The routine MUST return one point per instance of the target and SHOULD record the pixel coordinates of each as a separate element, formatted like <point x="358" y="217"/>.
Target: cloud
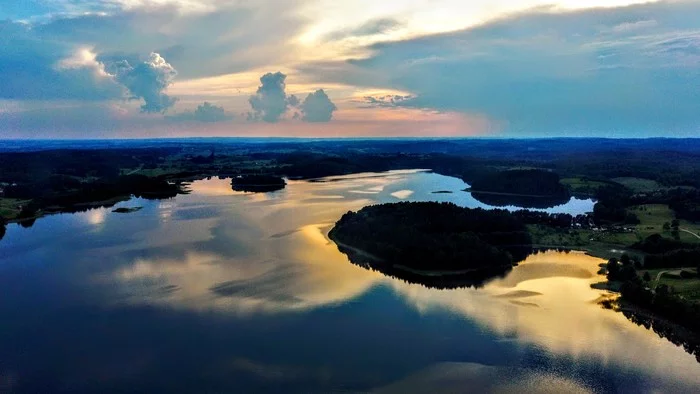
<point x="588" y="72"/>
<point x="147" y="80"/>
<point x="386" y="101"/>
<point x="270" y="102"/>
<point x="33" y="67"/>
<point x="207" y="112"/>
<point x="369" y="28"/>
<point x="317" y="107"/>
<point x="626" y="27"/>
<point x="197" y="41"/>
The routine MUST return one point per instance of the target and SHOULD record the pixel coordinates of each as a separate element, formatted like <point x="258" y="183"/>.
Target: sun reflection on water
<point x="269" y="253"/>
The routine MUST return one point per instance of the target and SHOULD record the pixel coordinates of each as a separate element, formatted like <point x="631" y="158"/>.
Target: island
<point x="434" y="244"/>
<point x="258" y="183"/>
<point x="127" y="209"/>
<point x="527" y="188"/>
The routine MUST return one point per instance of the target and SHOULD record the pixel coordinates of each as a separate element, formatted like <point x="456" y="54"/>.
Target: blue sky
<point x="500" y="68"/>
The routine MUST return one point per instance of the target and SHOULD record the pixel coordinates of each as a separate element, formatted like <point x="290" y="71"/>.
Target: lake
<point x="224" y="291"/>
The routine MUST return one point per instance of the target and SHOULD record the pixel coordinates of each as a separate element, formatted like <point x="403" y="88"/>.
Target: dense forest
<point x="663" y="303"/>
<point x="51" y="174"/>
<point x="66" y="193"/>
<point x="525" y="188"/>
<point x="431" y="237"/>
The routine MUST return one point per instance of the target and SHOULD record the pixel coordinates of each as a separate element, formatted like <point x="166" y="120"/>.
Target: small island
<point x="524" y="188"/>
<point x="258" y="183"/>
<point x="127" y="209"/>
<point x="435" y="244"/>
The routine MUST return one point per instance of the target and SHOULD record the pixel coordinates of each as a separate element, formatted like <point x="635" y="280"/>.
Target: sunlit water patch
<point x="225" y="291"/>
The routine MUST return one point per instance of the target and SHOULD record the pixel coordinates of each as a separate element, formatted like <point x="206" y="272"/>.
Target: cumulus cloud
<point x="36" y="67"/>
<point x="293" y="101"/>
<point x="33" y="67"/>
<point x="198" y="44"/>
<point x="206" y="112"/>
<point x="270" y="101"/>
<point x="317" y="107"/>
<point x="147" y="80"/>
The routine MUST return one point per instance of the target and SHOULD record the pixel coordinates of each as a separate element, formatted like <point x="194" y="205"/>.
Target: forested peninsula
<point x="436" y="244"/>
<point x="525" y="188"/>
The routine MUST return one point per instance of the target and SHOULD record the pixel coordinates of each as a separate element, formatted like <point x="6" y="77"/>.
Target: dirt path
<point x="690" y="232"/>
<point x="658" y="276"/>
<point x="135" y="171"/>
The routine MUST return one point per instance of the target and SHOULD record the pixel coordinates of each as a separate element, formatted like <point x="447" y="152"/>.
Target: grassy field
<point x="604" y="245"/>
<point x="686" y="288"/>
<point x="653" y="217"/>
<point x="608" y="243"/>
<point x="9" y="207"/>
<point x="582" y="185"/>
<point x="638" y="185"/>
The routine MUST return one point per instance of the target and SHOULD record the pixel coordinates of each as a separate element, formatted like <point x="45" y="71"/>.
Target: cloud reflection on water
<point x="268" y="253"/>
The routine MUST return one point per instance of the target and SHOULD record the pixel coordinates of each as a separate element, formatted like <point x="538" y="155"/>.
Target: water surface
<point x="222" y="291"/>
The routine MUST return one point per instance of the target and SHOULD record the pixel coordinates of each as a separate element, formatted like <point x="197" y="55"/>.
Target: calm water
<point x="219" y="291"/>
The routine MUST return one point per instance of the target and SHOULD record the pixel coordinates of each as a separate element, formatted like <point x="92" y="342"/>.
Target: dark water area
<point x="225" y="291"/>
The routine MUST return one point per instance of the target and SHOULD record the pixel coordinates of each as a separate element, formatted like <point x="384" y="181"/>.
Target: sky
<point x="366" y="68"/>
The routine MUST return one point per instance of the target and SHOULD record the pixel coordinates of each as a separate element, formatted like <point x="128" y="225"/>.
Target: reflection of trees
<point x="258" y="183"/>
<point x="505" y="200"/>
<point x="667" y="330"/>
<point x="27" y="223"/>
<point x="523" y="188"/>
<point x="476" y="279"/>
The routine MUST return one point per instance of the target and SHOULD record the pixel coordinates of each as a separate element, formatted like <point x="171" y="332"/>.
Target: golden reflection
<point x="269" y="253"/>
<point x="213" y="187"/>
<point x="96" y="216"/>
<point x="554" y="311"/>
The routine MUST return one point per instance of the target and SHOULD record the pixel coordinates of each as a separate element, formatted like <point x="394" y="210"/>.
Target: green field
<point x="609" y="243"/>
<point x="9" y="207"/>
<point x="638" y="185"/>
<point x="653" y="217"/>
<point x="582" y="185"/>
<point x="604" y="245"/>
<point x="686" y="288"/>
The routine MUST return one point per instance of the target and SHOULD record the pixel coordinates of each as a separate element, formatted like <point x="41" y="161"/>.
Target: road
<point x="135" y="171"/>
<point x="658" y="276"/>
<point x="690" y="232"/>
